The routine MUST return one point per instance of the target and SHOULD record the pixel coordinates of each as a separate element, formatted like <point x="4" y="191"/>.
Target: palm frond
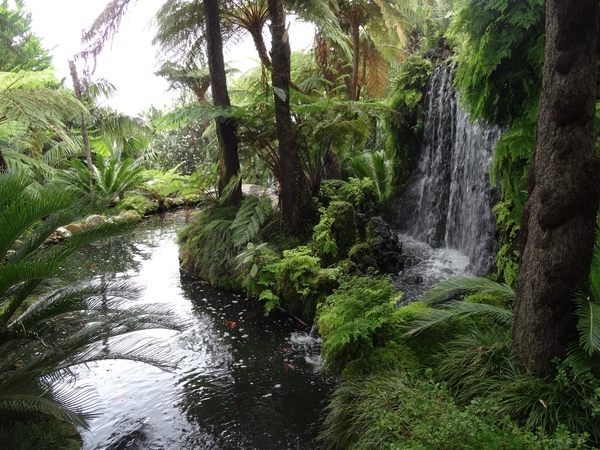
<point x="447" y="289"/>
<point x="458" y="310"/>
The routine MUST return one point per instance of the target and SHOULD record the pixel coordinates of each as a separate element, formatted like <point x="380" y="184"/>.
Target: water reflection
<point x="244" y="381"/>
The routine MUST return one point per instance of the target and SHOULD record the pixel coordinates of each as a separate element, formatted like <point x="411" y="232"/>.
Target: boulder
<point x="94" y="220"/>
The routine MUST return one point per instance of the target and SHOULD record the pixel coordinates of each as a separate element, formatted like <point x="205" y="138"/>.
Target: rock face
<point x="382" y="249"/>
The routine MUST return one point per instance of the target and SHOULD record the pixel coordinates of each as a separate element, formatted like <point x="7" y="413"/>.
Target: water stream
<point x="243" y="382"/>
<point x="448" y="200"/>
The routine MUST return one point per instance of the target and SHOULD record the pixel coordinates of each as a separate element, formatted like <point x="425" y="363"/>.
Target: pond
<point x="244" y="381"/>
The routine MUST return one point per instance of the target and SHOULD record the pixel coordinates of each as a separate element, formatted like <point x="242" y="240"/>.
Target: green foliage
<point x="509" y="167"/>
<point x="335" y="233"/>
<point x="405" y="123"/>
<point x="138" y="204"/>
<point x="360" y="192"/>
<point x="293" y="279"/>
<point x="500" y="53"/>
<point x="162" y="184"/>
<point x="351" y="319"/>
<point x="36" y="431"/>
<point x="376" y="167"/>
<point x="251" y="263"/>
<point x="208" y="249"/>
<point x="251" y="216"/>
<point x="43" y="334"/>
<point x="20" y="48"/>
<point x="108" y="180"/>
<point x="395" y="411"/>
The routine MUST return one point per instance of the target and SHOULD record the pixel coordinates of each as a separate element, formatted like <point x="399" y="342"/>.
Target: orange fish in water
<point x="230" y="323"/>
<point x="94" y="266"/>
<point x="288" y="367"/>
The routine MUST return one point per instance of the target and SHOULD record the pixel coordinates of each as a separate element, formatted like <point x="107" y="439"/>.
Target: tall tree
<point x="229" y="163"/>
<point x="297" y="207"/>
<point x="559" y="222"/>
<point x="20" y="48"/>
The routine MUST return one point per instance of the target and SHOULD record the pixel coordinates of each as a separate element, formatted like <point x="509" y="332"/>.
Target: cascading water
<point x="448" y="201"/>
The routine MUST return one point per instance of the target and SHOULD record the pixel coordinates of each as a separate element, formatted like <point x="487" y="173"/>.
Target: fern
<point x="252" y="214"/>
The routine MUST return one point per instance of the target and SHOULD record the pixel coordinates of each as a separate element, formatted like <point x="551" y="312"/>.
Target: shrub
<point x="354" y="320"/>
<point x="393" y="410"/>
<point x="137" y="203"/>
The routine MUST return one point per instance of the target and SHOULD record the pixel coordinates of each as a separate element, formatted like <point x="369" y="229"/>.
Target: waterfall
<point x="448" y="200"/>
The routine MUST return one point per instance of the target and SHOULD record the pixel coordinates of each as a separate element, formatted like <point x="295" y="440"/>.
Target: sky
<point x="130" y="62"/>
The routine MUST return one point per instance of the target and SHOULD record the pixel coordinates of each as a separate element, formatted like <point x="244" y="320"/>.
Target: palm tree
<point x="43" y="335"/>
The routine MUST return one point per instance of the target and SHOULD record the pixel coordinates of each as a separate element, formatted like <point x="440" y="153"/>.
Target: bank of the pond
<point x="243" y="380"/>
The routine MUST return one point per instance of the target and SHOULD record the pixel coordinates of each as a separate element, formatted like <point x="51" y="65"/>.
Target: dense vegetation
<point x="326" y="138"/>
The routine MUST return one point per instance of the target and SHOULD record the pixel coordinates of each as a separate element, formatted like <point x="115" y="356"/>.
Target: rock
<point x="74" y="227"/>
<point x="126" y="216"/>
<point x="386" y="249"/>
<point x="94" y="220"/>
<point x="58" y="235"/>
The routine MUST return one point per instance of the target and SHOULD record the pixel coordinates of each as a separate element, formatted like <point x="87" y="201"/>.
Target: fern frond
<point x="250" y="217"/>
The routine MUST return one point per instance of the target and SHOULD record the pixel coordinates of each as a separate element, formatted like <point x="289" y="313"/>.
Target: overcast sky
<point x="130" y="62"/>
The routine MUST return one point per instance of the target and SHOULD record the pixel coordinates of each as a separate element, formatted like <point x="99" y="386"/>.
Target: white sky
<point x="130" y="62"/>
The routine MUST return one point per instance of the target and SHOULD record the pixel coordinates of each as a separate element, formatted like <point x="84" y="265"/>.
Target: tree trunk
<point x="559" y="221"/>
<point x="229" y="163"/>
<point x="353" y="86"/>
<point x="297" y="207"/>
<point x="3" y="165"/>
<point x="84" y="131"/>
<point x="261" y="48"/>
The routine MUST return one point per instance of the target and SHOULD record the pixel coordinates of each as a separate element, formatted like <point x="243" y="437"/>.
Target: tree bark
<point x="229" y="163"/>
<point x="297" y="207"/>
<point x="559" y="221"/>
<point x="84" y="130"/>
<point x="3" y="165"/>
<point x="352" y="88"/>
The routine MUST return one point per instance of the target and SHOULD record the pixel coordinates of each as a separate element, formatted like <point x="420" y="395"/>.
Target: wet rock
<point x="126" y="216"/>
<point x="382" y="249"/>
<point x="94" y="220"/>
<point x="59" y="235"/>
<point x="74" y="227"/>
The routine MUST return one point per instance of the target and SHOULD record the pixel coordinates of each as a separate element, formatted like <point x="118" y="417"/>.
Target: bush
<point x="137" y="203"/>
<point x="354" y="321"/>
<point x="393" y="410"/>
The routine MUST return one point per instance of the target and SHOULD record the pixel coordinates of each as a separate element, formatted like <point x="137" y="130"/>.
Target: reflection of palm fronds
<point x="43" y="336"/>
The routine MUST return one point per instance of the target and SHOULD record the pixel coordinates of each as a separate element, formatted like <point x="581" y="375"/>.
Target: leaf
<point x="280" y="93"/>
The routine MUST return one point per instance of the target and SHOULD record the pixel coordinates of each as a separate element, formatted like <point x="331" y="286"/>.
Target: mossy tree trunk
<point x="229" y="163"/>
<point x="297" y="207"/>
<point x="559" y="221"/>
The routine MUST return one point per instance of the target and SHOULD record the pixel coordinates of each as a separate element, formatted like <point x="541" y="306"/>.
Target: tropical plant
<point x="107" y="181"/>
<point x="45" y="333"/>
<point x="394" y="410"/>
<point x="29" y="106"/>
<point x="20" y="48"/>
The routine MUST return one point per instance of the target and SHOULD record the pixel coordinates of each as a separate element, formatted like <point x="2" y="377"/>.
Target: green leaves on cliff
<point x="500" y="47"/>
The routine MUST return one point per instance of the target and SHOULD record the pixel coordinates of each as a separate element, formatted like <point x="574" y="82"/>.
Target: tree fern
<point x="252" y="214"/>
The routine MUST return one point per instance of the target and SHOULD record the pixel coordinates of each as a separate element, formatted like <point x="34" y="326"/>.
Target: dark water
<point x="244" y="381"/>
